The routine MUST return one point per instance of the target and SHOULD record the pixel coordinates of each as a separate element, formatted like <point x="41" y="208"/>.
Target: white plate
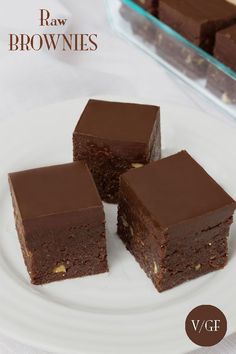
<point x="118" y="312"/>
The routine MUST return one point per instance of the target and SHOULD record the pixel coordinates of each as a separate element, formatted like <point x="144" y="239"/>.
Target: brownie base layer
<point x="75" y="257"/>
<point x="107" y="165"/>
<point x="140" y="26"/>
<point x="181" y="57"/>
<point x="170" y="264"/>
<point x="106" y="168"/>
<point x="62" y="254"/>
<point x="221" y="85"/>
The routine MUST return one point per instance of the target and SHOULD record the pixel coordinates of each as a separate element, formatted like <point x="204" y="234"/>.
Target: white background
<point x="30" y="80"/>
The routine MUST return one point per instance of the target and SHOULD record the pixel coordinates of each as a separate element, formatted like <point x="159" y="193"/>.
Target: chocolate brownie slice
<point x="175" y="219"/>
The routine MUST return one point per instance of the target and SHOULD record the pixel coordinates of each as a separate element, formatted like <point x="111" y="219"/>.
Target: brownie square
<point x="175" y="219"/>
<point x="140" y="25"/>
<point x="221" y="84"/>
<point x="60" y="222"/>
<point x="225" y="47"/>
<point x="198" y="21"/>
<point x="113" y="137"/>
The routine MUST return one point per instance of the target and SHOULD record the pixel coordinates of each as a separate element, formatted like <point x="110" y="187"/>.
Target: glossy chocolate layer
<point x="199" y="20"/>
<point x="54" y="190"/>
<point x="115" y="121"/>
<point x="177" y="189"/>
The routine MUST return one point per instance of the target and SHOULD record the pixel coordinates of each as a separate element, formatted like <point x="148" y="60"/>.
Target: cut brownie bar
<point x="149" y="5"/>
<point x="60" y="222"/>
<point x="175" y="219"/>
<point x="198" y="21"/>
<point x="113" y="137"/>
<point x="225" y="50"/>
<point x="221" y="84"/>
<point x="225" y="47"/>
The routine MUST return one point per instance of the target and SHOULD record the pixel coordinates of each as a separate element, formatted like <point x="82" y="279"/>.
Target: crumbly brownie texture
<point x="179" y="55"/>
<point x="149" y="5"/>
<point x="60" y="222"/>
<point x="175" y="219"/>
<point x="221" y="85"/>
<point x="113" y="137"/>
<point x="140" y="25"/>
<point x="198" y="21"/>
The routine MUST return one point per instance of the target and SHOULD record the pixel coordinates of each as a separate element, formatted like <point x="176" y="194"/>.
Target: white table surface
<point x="31" y="80"/>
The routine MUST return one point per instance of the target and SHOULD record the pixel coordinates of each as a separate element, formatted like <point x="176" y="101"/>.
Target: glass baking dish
<point x="194" y="66"/>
